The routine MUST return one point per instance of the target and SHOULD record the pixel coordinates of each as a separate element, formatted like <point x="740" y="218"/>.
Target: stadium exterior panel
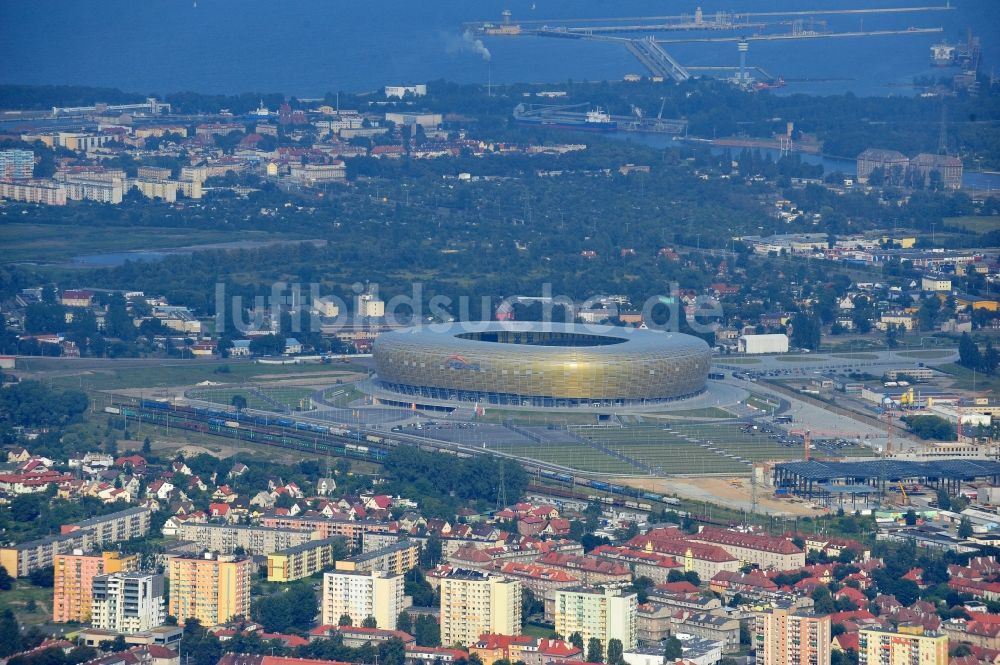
<point x="540" y="365"/>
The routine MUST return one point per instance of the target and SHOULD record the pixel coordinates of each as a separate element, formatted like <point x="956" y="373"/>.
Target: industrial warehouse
<point x="541" y="365"/>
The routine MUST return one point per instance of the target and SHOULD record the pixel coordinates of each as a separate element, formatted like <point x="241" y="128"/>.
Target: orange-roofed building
<point x="72" y="578"/>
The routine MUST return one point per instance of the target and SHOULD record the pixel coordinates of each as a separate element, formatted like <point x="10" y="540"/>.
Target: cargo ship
<point x="596" y="120"/>
<point x="769" y="85"/>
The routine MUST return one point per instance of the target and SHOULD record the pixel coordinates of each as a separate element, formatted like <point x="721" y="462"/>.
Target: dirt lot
<point x="720" y="491"/>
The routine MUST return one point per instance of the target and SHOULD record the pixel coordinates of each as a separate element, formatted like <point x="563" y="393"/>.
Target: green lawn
<point x="189" y="374"/>
<point x="973" y="223"/>
<point x="930" y="353"/>
<point x="537" y="630"/>
<point x="966" y="379"/>
<point x="343" y="395"/>
<point x="705" y="412"/>
<point x="18" y="599"/>
<point x="290" y="397"/>
<point x="762" y="402"/>
<point x="61" y="242"/>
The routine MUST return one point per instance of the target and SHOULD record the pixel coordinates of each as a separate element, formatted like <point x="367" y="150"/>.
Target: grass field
<point x="705" y="412"/>
<point x="185" y="375"/>
<point x="966" y="379"/>
<point x="763" y="402"/>
<point x="928" y="354"/>
<point x="343" y="395"/>
<point x="20" y="596"/>
<point x="61" y="242"/>
<point x="974" y="224"/>
<point x="290" y="397"/>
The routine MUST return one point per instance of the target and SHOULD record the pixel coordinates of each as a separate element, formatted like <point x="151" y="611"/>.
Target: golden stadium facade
<point x="540" y="365"/>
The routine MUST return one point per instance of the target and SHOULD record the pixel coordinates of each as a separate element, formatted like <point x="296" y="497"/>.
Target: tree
<point x="345" y="620"/>
<point x="595" y="652"/>
<point x="615" y="651"/>
<point x="576" y="639"/>
<point x="10" y="634"/>
<point x="672" y="649"/>
<point x="427" y="631"/>
<point x="943" y="499"/>
<point x="147" y="445"/>
<point x="964" y="528"/>
<point x="6" y="581"/>
<point x="806" y="331"/>
<point x="117" y="322"/>
<point x="910" y="517"/>
<point x="239" y="402"/>
<point x="369" y="622"/>
<point x="404" y="623"/>
<point x="968" y="353"/>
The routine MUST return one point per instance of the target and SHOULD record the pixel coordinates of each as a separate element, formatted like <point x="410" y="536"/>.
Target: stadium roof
<point x="891" y="469"/>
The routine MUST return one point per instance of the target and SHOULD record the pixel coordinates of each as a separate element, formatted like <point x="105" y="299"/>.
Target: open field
<point x="167" y="375"/>
<point x="856" y="356"/>
<point x="798" y="359"/>
<point x="49" y="243"/>
<point x="973" y="223"/>
<point x="267" y="398"/>
<point x="20" y="596"/>
<point x="928" y="354"/>
<point x="966" y="379"/>
<point x="721" y="491"/>
<point x="343" y="395"/>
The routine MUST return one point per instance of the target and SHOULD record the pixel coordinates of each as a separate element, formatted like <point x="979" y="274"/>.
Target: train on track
<point x="259" y="428"/>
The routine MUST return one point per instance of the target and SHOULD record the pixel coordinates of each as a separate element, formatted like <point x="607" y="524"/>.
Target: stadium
<point x="540" y="365"/>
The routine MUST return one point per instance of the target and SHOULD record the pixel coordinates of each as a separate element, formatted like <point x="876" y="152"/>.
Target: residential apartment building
<point x="73" y="575"/>
<point x="716" y="626"/>
<point x="523" y="648"/>
<point x="299" y="561"/>
<point x="474" y="603"/>
<point x="362" y="594"/>
<point x="589" y="569"/>
<point x="352" y="530"/>
<point x="34" y="191"/>
<point x="907" y="645"/>
<point x="95" y="532"/>
<point x="784" y="637"/>
<point x="604" y="614"/>
<point x="255" y="540"/>
<point x="128" y="602"/>
<point x="396" y="559"/>
<point x="210" y="589"/>
<point x="705" y="559"/>
<point x="768" y="552"/>
<point x="16" y="164"/>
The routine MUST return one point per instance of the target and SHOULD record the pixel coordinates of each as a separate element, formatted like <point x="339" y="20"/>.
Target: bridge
<point x="654" y="58"/>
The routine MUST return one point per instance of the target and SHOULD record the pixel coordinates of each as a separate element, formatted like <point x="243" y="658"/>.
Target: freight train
<point x="257" y="428"/>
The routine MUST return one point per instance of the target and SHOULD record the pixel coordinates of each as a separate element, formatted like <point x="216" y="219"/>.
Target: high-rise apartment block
<point x="73" y="575"/>
<point x="602" y="613"/>
<point x="474" y="603"/>
<point x="128" y="602"/>
<point x="210" y="589"/>
<point x="362" y="594"/>
<point x="785" y="637"/>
